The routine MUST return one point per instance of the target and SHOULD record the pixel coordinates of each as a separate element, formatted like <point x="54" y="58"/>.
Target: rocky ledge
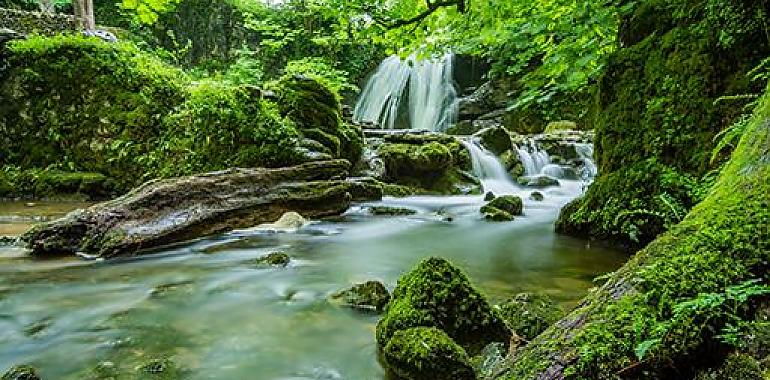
<point x="168" y="211"/>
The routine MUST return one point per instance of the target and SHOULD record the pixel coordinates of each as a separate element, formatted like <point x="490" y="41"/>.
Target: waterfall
<point x="533" y="158"/>
<point x="489" y="170"/>
<point x="586" y="154"/>
<point x="432" y="98"/>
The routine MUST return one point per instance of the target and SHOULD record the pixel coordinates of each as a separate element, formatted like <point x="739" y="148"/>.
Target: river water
<point x="207" y="308"/>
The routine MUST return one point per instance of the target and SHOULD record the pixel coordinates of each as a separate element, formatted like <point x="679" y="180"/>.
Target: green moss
<point x="529" y="314"/>
<point x="370" y="295"/>
<point x="82" y="104"/>
<point x="275" y="259"/>
<point x="659" y="313"/>
<point x="659" y="99"/>
<point x="161" y="369"/>
<point x="509" y="203"/>
<point x="632" y="205"/>
<point x="37" y="183"/>
<point x="316" y="111"/>
<point x="426" y="353"/>
<point x="436" y="294"/>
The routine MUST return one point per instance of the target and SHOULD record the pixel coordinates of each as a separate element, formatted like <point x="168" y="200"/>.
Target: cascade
<point x="431" y="97"/>
<point x="586" y="153"/>
<point x="533" y="158"/>
<point x="489" y="170"/>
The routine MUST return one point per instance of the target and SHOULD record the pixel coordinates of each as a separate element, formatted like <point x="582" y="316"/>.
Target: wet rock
<point x="426" y="353"/>
<point x="529" y="314"/>
<point x="418" y="138"/>
<point x="407" y="159"/>
<point x="288" y="221"/>
<point x="437" y="294"/>
<point x="163" y="212"/>
<point x="21" y="372"/>
<point x="274" y="259"/>
<point x="511" y="204"/>
<point x="393" y="211"/>
<point x="496" y="139"/>
<point x="364" y="189"/>
<point x="38" y="327"/>
<point x="537" y="181"/>
<point x="489" y="196"/>
<point x="370" y="295"/>
<point x="496" y="215"/>
<point x="536" y="196"/>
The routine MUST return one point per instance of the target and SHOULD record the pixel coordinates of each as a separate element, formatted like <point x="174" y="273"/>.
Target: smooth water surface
<point x="216" y="315"/>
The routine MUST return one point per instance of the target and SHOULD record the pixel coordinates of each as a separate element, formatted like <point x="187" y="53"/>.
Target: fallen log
<point x="167" y="211"/>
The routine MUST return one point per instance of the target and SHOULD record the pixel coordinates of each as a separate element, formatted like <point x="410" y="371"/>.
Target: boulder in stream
<point x="391" y="210"/>
<point x="426" y="353"/>
<point x="503" y="208"/>
<point x="540" y="180"/>
<point x="163" y="212"/>
<point x="370" y="295"/>
<point x="437" y="294"/>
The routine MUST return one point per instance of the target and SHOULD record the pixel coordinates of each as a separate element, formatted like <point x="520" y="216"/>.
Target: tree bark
<point x="84" y="12"/>
<point x="168" y="211"/>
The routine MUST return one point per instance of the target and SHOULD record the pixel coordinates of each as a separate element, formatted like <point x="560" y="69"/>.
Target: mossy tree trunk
<point x="634" y="325"/>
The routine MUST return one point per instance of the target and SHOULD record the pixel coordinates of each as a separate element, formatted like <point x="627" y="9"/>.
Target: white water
<point x="431" y="97"/>
<point x="534" y="159"/>
<point x="586" y="152"/>
<point x="489" y="170"/>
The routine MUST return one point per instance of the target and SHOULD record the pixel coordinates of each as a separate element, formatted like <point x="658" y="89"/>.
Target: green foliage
<point x="320" y="70"/>
<point x="148" y="11"/>
<point x="221" y="126"/>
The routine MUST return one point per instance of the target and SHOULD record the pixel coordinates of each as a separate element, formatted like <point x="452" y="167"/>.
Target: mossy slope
<point x="656" y="316"/>
<point x="658" y="109"/>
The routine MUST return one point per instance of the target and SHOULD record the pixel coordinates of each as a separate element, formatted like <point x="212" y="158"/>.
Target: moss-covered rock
<point x="437" y="294"/>
<point x="661" y="99"/>
<point x="529" y="314"/>
<point x="21" y="372"/>
<point x="370" y="295"/>
<point x="317" y="112"/>
<point x="493" y="214"/>
<point x="426" y="353"/>
<point x="392" y="211"/>
<point x="273" y="259"/>
<point x="160" y="369"/>
<point x="496" y="139"/>
<point x="536" y="196"/>
<point x="430" y="167"/>
<point x="511" y="204"/>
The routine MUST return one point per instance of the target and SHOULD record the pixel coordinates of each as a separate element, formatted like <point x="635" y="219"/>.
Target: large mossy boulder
<point x="662" y="100"/>
<point x="437" y="294"/>
<point x="429" y="164"/>
<point x="317" y="112"/>
<point x="426" y="353"/>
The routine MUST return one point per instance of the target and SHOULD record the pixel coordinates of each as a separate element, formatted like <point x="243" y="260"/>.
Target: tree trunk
<point x="615" y="332"/>
<point x="173" y="210"/>
<point x="84" y="12"/>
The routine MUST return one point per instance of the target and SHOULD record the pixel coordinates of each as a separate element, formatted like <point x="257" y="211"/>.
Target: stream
<point x="206" y="307"/>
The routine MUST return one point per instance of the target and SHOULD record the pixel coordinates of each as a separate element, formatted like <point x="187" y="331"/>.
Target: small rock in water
<point x="30" y="204"/>
<point x="394" y="211"/>
<point x="290" y="221"/>
<point x="8" y="240"/>
<point x="21" y="372"/>
<point x="489" y="196"/>
<point x="371" y="295"/>
<point x="503" y="208"/>
<point x="275" y="259"/>
<point x="538" y="181"/>
<point x="536" y="196"/>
